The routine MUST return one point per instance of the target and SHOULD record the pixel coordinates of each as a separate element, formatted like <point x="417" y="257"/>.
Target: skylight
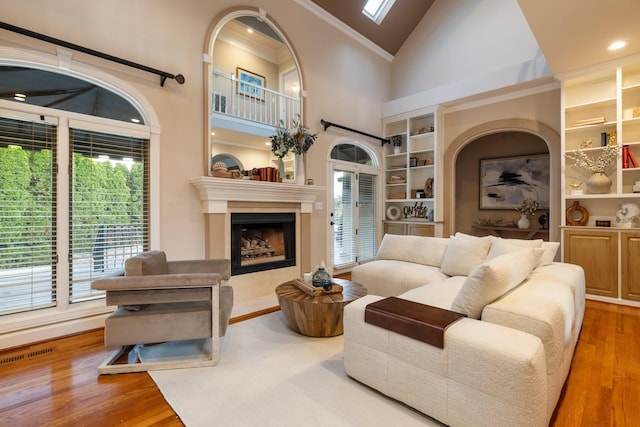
<point x="376" y="10"/>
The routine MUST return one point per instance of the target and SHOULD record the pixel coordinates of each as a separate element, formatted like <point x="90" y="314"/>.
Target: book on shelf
<point x="590" y="121"/>
<point x="629" y="159"/>
<point x="633" y="162"/>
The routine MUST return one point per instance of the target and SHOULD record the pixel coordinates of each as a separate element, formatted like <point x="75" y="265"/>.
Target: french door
<point x="353" y="215"/>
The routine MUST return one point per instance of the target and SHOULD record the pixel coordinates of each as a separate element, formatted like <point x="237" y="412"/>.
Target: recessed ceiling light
<point x="135" y="120"/>
<point x="268" y="143"/>
<point x="250" y="30"/>
<point x="619" y="44"/>
<point x="20" y="97"/>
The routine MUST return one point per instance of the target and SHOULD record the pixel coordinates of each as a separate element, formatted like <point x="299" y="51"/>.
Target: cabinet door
<point x="597" y="253"/>
<point x="394" y="228"/>
<point x="426" y="230"/>
<point x="630" y="244"/>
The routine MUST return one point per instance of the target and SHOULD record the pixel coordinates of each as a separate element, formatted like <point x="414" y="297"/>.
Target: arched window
<point x="253" y="83"/>
<point x="53" y="120"/>
<point x="351" y="153"/>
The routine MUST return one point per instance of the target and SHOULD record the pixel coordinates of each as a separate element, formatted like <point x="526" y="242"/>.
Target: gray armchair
<point x="185" y="303"/>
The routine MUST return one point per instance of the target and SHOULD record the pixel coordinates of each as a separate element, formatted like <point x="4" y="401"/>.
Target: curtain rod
<point x="327" y="125"/>
<point x="163" y="75"/>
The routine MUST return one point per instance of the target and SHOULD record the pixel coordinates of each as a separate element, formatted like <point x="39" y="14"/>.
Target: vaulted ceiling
<point x="572" y="34"/>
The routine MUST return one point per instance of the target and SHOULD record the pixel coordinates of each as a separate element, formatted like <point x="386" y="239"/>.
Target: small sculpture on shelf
<point x="428" y="188"/>
<point x="627" y="215"/>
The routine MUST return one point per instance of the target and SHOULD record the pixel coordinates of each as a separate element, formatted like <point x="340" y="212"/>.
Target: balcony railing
<point x="249" y="101"/>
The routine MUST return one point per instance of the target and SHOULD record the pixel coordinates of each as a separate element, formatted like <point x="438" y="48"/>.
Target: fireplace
<point x="262" y="241"/>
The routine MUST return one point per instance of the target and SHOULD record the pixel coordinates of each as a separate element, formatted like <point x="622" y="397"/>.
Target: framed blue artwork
<point x="251" y="84"/>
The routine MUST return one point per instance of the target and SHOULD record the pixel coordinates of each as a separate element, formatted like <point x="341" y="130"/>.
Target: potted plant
<point x="596" y="169"/>
<point x="396" y="141"/>
<point x="529" y="207"/>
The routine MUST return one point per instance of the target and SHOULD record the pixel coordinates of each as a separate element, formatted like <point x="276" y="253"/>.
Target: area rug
<point x="271" y="376"/>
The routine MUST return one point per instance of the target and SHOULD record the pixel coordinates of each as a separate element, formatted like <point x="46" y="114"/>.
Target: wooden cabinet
<point x="413" y="172"/>
<point x="630" y="270"/>
<point x="597" y="253"/>
<point x="602" y="253"/>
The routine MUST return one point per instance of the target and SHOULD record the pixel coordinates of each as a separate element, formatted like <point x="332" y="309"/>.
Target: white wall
<point x="344" y="82"/>
<point x="462" y="48"/>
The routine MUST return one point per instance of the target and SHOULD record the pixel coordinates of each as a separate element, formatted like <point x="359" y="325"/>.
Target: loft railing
<point x="249" y="101"/>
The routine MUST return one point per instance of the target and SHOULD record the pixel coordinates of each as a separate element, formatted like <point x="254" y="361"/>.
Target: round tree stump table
<point x="317" y="316"/>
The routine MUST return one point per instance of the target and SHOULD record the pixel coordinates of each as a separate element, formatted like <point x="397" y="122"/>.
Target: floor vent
<point x="19" y="357"/>
<point x="10" y="359"/>
<point x="40" y="352"/>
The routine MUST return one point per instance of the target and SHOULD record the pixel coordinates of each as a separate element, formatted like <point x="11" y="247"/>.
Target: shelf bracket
<point x="327" y="125"/>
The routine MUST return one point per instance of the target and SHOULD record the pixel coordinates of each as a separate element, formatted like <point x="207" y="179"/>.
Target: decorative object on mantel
<point x="297" y="140"/>
<point x="529" y="207"/>
<point x="220" y="170"/>
<point x="596" y="170"/>
<point x="627" y="215"/>
<point x="576" y="214"/>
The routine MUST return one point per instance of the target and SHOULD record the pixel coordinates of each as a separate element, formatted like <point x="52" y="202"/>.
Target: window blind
<point x="109" y="209"/>
<point x="344" y="218"/>
<point x="367" y="217"/>
<point x="27" y="215"/>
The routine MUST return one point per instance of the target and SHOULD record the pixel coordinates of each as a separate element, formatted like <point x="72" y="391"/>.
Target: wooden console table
<point x="529" y="233"/>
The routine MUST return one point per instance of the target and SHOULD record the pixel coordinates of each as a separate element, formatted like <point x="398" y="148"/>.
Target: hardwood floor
<point x="56" y="383"/>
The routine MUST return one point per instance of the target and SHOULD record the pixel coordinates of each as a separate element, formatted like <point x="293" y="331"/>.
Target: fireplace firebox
<point x="262" y="241"/>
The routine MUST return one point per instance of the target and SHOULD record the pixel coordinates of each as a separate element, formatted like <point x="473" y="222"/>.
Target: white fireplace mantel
<point x="215" y="193"/>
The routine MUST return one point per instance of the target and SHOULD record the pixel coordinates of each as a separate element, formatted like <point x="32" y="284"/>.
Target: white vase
<point x="396" y="150"/>
<point x="524" y="222"/>
<point x="300" y="172"/>
<point x="598" y="183"/>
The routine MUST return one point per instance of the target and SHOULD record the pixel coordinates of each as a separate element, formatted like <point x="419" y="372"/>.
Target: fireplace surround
<point x="221" y="198"/>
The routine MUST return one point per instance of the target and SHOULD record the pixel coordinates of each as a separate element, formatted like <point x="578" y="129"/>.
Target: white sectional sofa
<point x="502" y="365"/>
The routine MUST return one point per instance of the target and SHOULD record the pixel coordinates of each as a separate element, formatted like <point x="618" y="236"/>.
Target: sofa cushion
<point x="439" y="294"/>
<point x="464" y="253"/>
<point x="388" y="277"/>
<point x="418" y="249"/>
<point x="494" y="278"/>
<point x="146" y="264"/>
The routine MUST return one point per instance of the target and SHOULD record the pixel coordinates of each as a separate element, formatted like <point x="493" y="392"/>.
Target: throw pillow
<point x="549" y="253"/>
<point x="416" y="249"/>
<point x="464" y="253"/>
<point x="500" y="246"/>
<point x="492" y="279"/>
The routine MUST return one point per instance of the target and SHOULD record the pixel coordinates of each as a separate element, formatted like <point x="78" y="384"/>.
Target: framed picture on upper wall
<point x="505" y="182"/>
<point x="250" y="84"/>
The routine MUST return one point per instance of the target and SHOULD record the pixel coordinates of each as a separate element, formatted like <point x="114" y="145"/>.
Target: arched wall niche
<point x="243" y="134"/>
<point x="550" y="138"/>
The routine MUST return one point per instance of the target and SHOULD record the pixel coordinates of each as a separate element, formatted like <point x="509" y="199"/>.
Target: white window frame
<point x="64" y="319"/>
<point x="375" y="169"/>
